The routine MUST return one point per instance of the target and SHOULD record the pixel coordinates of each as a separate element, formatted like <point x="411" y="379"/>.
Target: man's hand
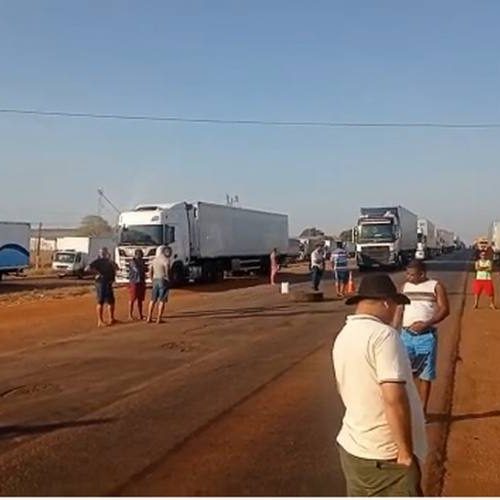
<point x="419" y="327"/>
<point x="404" y="459"/>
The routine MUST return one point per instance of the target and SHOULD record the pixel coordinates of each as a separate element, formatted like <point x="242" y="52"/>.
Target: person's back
<point x="160" y="268"/>
<point x="340" y="259"/>
<point x="105" y="269"/>
<point x="367" y="353"/>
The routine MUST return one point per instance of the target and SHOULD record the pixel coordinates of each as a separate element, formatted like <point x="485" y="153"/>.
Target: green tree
<point x="311" y="232"/>
<point x="346" y="235"/>
<point x="94" y="225"/>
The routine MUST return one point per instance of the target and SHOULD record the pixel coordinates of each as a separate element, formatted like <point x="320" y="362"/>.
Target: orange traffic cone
<point x="351" y="286"/>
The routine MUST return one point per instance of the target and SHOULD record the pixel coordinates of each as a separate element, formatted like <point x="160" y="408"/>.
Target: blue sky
<point x="273" y="60"/>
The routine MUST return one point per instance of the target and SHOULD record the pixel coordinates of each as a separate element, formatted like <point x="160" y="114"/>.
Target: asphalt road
<point x="234" y="395"/>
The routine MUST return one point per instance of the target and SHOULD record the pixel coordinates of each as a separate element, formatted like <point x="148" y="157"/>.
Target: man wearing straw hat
<point x="382" y="442"/>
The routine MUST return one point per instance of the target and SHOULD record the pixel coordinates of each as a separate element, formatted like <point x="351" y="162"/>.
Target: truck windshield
<point x="142" y="235"/>
<point x="376" y="232"/>
<point x="65" y="257"/>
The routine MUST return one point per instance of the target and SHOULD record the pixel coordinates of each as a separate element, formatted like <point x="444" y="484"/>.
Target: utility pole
<point x="102" y="197"/>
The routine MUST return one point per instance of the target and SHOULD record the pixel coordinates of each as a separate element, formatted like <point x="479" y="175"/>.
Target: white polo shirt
<point x="366" y="353"/>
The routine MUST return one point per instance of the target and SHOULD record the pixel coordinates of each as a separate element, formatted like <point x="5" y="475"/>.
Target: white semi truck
<point x="385" y="236"/>
<point x="207" y="240"/>
<point x="74" y="253"/>
<point x="14" y="247"/>
<point x="427" y="244"/>
<point x="446" y="240"/>
<point x="494" y="238"/>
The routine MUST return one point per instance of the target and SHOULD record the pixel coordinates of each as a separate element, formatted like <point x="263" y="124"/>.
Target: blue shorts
<point x="159" y="292"/>
<point x="422" y="351"/>
<point x="104" y="293"/>
<point x="341" y="275"/>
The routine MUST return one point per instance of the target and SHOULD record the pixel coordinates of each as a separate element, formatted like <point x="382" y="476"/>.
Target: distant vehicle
<point x="427" y="244"/>
<point x="385" y="236"/>
<point x="294" y="250"/>
<point x="207" y="240"/>
<point x="14" y="247"/>
<point x="308" y="245"/>
<point x="350" y="248"/>
<point x="446" y="239"/>
<point x="495" y="239"/>
<point x="74" y="253"/>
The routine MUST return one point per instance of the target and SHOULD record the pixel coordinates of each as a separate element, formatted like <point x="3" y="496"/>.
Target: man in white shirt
<point x="317" y="265"/>
<point x="383" y="441"/>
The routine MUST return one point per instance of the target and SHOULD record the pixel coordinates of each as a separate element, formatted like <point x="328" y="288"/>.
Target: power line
<point x="220" y="121"/>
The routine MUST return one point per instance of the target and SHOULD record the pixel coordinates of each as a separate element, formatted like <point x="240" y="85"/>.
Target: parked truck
<point x="495" y="239"/>
<point x="385" y="236"/>
<point x="446" y="240"/>
<point x="427" y="244"/>
<point x="14" y="247"/>
<point x="207" y="240"/>
<point x="74" y="253"/>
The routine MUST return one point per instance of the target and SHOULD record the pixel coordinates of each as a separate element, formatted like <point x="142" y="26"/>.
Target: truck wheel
<point x="178" y="275"/>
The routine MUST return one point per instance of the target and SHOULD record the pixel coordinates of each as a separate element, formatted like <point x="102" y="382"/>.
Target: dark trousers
<point x="317" y="273"/>
<point x="380" y="478"/>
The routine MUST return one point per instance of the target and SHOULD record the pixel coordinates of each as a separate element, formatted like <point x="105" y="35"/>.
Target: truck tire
<point x="178" y="274"/>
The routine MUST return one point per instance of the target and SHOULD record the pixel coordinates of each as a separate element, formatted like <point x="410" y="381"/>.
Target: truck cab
<point x="377" y="241"/>
<point x="149" y="226"/>
<point x="385" y="237"/>
<point x="69" y="263"/>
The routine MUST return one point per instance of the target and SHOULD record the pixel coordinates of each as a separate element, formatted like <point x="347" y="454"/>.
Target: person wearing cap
<point x="104" y="270"/>
<point x="428" y="306"/>
<point x="382" y="442"/>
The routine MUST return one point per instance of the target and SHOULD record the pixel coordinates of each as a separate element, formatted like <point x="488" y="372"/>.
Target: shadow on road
<point x="12" y="431"/>
<point x="442" y="417"/>
<point x="250" y="312"/>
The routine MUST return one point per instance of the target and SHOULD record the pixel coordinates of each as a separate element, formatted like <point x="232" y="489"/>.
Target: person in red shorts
<point x="137" y="284"/>
<point x="484" y="280"/>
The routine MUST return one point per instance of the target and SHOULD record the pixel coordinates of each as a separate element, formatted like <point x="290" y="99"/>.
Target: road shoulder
<point x="472" y="453"/>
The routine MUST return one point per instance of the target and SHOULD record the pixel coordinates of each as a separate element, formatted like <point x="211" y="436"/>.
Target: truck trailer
<point x="385" y="236"/>
<point x="427" y="244"/>
<point x="207" y="240"/>
<point x="494" y="238"/>
<point x="446" y="240"/>
<point x="74" y="253"/>
<point x="14" y="247"/>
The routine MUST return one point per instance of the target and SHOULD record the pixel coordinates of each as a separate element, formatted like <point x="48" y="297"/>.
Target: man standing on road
<point x="317" y="265"/>
<point x="428" y="306"/>
<point x="137" y="284"/>
<point x="383" y="440"/>
<point x="105" y="273"/>
<point x="160" y="277"/>
<point x="340" y="268"/>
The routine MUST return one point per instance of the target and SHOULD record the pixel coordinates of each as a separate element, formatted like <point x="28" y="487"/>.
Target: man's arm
<point x="397" y="411"/>
<point x="397" y="322"/>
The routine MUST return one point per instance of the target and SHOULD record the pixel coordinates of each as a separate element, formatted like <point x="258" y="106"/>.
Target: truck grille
<point x="375" y="255"/>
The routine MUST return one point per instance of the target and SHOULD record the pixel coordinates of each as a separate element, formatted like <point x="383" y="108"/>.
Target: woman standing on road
<point x="137" y="284"/>
<point x="160" y="276"/>
<point x="275" y="267"/>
